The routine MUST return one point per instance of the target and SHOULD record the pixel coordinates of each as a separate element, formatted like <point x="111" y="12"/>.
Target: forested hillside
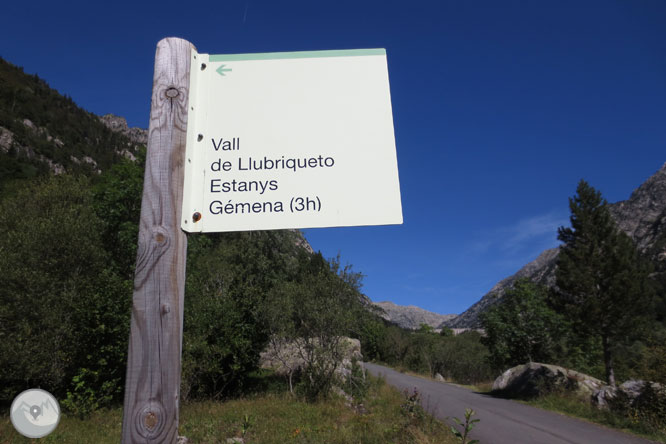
<point x="42" y="131"/>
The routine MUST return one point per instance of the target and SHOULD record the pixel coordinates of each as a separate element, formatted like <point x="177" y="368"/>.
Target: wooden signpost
<point x="246" y="142"/>
<point x="152" y="386"/>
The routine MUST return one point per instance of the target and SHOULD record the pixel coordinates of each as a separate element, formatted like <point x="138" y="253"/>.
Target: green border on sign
<point x="296" y="55"/>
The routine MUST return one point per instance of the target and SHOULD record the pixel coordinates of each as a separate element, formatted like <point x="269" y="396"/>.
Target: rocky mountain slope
<point x="118" y="124"/>
<point x="42" y="131"/>
<point x="642" y="217"/>
<point x="411" y="317"/>
<point x="541" y="270"/>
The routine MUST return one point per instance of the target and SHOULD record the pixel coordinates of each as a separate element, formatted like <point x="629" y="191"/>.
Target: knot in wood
<point x="159" y="238"/>
<point x="171" y="93"/>
<point x="150" y="420"/>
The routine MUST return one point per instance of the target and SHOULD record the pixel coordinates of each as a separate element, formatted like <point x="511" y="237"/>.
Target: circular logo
<point x="35" y="413"/>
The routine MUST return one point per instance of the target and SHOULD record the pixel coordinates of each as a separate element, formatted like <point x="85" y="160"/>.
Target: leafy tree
<point x="309" y="317"/>
<point x="422" y="355"/>
<point x="522" y="327"/>
<point x="117" y="202"/>
<point x="602" y="283"/>
<point x="425" y="328"/>
<point x="327" y="303"/>
<point x="446" y="332"/>
<point x="371" y="335"/>
<point x="395" y="345"/>
<point x="229" y="276"/>
<point x="64" y="313"/>
<point x="462" y="358"/>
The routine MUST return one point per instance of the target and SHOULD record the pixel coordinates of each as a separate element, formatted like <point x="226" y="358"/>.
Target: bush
<point x="650" y="407"/>
<point x="62" y="309"/>
<point x="464" y="359"/>
<point x="228" y="278"/>
<point x="357" y="383"/>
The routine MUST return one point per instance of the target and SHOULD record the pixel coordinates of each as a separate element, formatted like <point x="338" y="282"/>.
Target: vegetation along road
<point x="501" y="420"/>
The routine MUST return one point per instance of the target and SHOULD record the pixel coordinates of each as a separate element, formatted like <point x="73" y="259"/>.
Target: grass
<point x="480" y="387"/>
<point x="571" y="405"/>
<point x="269" y="418"/>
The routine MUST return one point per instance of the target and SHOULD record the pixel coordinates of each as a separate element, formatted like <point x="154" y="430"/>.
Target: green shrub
<point x="88" y="393"/>
<point x="649" y="408"/>
<point x="357" y="383"/>
<point x="62" y="307"/>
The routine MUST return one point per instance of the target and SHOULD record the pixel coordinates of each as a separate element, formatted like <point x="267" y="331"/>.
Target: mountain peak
<point x="410" y="316"/>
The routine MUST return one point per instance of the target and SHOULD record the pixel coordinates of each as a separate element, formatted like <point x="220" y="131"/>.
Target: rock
<point x="633" y="388"/>
<point x="535" y="379"/>
<point x="631" y="393"/>
<point x="287" y="356"/>
<point x="235" y="441"/>
<point x="439" y="377"/>
<point x="119" y="124"/>
<point x="182" y="440"/>
<point x="604" y="397"/>
<point x="6" y="139"/>
<point x="128" y="155"/>
<point x="29" y="124"/>
<point x="302" y="242"/>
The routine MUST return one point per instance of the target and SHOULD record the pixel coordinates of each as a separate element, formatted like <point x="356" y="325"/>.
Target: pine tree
<point x="602" y="283"/>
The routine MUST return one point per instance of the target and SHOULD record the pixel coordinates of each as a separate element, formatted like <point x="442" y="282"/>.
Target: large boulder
<point x="535" y="379"/>
<point x="633" y="393"/>
<point x="634" y="398"/>
<point x="285" y="356"/>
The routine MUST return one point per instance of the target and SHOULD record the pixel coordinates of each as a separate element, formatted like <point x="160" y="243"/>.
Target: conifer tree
<point x="602" y="283"/>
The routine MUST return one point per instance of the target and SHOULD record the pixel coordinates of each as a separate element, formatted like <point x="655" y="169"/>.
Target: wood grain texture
<point x="152" y="386"/>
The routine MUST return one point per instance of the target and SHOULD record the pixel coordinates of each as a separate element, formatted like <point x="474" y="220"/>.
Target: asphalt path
<point x="501" y="420"/>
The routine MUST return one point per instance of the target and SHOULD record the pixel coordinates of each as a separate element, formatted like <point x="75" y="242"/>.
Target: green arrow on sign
<point x="221" y="70"/>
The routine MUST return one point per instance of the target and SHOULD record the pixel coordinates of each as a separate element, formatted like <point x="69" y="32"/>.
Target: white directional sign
<point x="290" y="140"/>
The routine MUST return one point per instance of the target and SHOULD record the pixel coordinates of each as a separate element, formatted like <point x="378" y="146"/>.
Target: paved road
<point x="502" y="420"/>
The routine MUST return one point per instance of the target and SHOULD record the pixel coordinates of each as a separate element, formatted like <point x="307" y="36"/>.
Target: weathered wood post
<point x="152" y="386"/>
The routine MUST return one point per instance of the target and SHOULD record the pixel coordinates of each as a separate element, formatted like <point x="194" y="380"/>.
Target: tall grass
<point x="270" y="418"/>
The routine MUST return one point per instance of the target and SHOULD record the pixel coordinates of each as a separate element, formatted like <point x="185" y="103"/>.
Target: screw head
<point x="196" y="217"/>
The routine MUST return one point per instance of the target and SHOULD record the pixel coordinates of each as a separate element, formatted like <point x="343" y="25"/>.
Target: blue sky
<point x="500" y="108"/>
